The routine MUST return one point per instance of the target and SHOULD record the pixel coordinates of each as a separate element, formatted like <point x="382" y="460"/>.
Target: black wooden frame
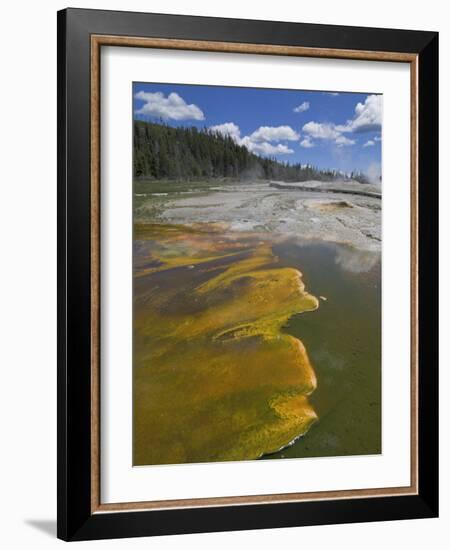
<point x="75" y="521"/>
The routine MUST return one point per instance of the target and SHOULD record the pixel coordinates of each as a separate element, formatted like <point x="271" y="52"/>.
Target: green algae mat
<point x="215" y="376"/>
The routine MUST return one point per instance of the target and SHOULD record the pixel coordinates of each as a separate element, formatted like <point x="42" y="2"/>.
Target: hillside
<point x="187" y="153"/>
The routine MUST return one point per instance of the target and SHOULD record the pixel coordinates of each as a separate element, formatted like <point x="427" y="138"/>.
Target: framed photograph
<point x="247" y="274"/>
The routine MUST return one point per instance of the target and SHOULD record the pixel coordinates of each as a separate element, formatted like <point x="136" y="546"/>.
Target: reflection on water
<point x="356" y="261"/>
<point x="343" y="339"/>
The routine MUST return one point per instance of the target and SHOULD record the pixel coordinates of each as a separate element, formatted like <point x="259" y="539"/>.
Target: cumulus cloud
<point x="172" y="107"/>
<point x="334" y="94"/>
<point x="302" y="107"/>
<point x="320" y="130"/>
<point x="228" y="129"/>
<point x="342" y="141"/>
<point x="274" y="133"/>
<point x="377" y="138"/>
<point x="259" y="141"/>
<point x="265" y="148"/>
<point x="307" y="143"/>
<point x="324" y="131"/>
<point x="367" y="117"/>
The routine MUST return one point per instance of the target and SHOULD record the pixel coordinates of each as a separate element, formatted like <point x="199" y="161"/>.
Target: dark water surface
<point x="343" y="340"/>
<point x="212" y="356"/>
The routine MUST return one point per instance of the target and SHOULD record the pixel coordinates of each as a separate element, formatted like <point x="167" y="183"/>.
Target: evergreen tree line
<point x="187" y="153"/>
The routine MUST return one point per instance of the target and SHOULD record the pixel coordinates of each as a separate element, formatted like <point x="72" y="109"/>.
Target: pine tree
<point x="185" y="153"/>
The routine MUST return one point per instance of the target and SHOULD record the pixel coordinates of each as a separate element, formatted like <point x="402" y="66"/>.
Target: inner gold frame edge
<point x="97" y="41"/>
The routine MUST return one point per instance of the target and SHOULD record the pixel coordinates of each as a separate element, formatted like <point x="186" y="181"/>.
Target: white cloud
<point x="259" y="141"/>
<point x="334" y="94"/>
<point x="367" y="117"/>
<point x="342" y="141"/>
<point x="307" y="143"/>
<point x="274" y="133"/>
<point x="171" y="107"/>
<point x="228" y="129"/>
<point x="321" y="130"/>
<point x="377" y="138"/>
<point x="325" y="131"/>
<point x="302" y="107"/>
<point x="265" y="148"/>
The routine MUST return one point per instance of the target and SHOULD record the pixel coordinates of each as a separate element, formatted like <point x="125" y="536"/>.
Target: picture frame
<point x="81" y="36"/>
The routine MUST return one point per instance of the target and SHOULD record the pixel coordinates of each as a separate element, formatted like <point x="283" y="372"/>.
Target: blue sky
<point x="326" y="129"/>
